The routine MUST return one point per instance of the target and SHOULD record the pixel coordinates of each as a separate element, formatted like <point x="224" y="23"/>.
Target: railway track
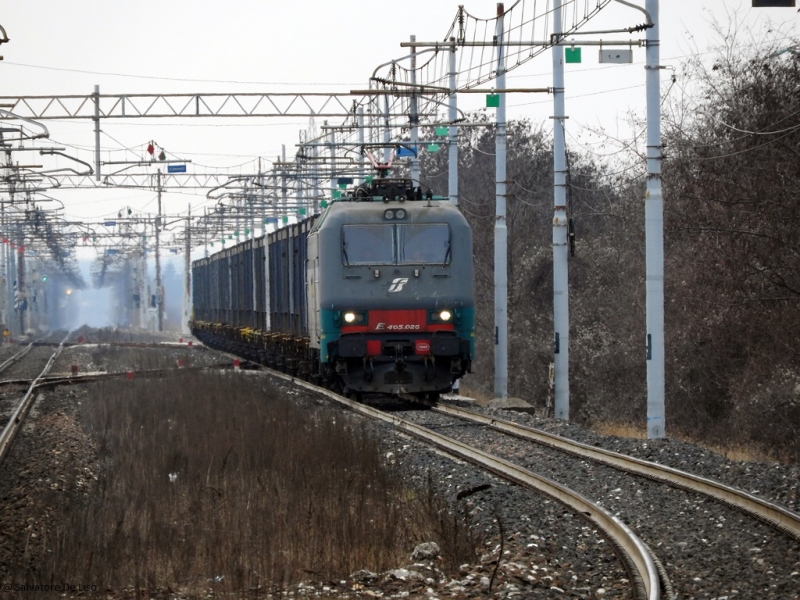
<point x="638" y="561"/>
<point x="28" y="370"/>
<point x="689" y="522"/>
<point x="748" y="530"/>
<point x="17" y="356"/>
<point x="27" y="364"/>
<point x="639" y="530"/>
<point x="772" y="513"/>
<point x="17" y="416"/>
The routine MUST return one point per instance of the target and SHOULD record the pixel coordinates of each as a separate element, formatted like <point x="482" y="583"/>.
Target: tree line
<point x="731" y="180"/>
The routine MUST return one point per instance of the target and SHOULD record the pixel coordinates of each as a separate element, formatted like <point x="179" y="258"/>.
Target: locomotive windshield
<point x="396" y="244"/>
<point x="426" y="243"/>
<point x="367" y="244"/>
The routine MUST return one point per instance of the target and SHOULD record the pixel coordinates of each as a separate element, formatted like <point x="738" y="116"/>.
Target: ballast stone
<point x="364" y="576"/>
<point x="403" y="575"/>
<point x="426" y="551"/>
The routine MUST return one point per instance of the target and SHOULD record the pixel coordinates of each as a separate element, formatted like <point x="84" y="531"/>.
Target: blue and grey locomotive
<point x="374" y="295"/>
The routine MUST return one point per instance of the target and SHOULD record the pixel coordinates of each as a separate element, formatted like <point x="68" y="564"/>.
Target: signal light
<point x="44" y="277"/>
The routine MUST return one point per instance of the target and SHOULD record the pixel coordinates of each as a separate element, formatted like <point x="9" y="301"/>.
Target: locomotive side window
<point x="367" y="244"/>
<point x="423" y="243"/>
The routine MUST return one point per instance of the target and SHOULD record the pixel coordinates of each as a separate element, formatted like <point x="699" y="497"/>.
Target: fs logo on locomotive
<point x="397" y="284"/>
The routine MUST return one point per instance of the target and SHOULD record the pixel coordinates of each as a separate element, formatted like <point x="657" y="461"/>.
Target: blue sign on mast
<point x="176" y="168"/>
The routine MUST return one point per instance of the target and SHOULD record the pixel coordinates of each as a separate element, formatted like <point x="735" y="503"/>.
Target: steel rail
<point x="16" y="420"/>
<point x="16" y="357"/>
<point x="778" y="516"/>
<point x="639" y="562"/>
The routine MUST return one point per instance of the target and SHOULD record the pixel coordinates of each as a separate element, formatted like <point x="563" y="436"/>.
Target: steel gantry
<point x="127" y="106"/>
<point x="97" y="106"/>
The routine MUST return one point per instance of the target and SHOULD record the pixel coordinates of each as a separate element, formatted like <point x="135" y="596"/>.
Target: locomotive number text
<point x="396" y="327"/>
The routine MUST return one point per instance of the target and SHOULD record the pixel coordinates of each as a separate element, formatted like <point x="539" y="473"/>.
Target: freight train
<point x="373" y="295"/>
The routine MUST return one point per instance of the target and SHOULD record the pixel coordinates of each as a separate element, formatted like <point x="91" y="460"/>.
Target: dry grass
<point x="639" y="432"/>
<point x="732" y="451"/>
<point x="481" y="397"/>
<point x="623" y="430"/>
<point x="119" y="358"/>
<point x="738" y="451"/>
<point x="218" y="483"/>
<point x="743" y="454"/>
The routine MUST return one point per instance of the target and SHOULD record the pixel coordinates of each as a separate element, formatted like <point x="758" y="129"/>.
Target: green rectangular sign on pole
<point x="492" y="100"/>
<point x="572" y="55"/>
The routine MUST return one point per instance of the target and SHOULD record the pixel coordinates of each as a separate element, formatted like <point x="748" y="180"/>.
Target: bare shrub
<point x="218" y="482"/>
<point x="733" y="266"/>
<point x="732" y="261"/>
<point x="606" y="273"/>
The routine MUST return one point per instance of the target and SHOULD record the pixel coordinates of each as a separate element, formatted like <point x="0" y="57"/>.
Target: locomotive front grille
<point x="398" y="348"/>
<point x="357" y="347"/>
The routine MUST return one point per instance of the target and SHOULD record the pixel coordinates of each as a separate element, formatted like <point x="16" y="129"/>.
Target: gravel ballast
<point x="708" y="549"/>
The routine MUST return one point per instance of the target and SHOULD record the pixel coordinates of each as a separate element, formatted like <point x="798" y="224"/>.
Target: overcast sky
<point x="165" y="46"/>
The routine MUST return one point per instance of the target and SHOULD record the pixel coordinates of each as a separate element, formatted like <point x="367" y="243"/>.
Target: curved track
<point x="637" y="558"/>
<point x="757" y="510"/>
<point x="778" y="516"/>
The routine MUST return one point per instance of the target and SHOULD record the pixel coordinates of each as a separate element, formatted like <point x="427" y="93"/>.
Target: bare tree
<point x="732" y="184"/>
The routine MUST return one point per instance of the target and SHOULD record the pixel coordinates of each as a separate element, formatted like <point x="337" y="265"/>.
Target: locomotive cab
<point x="390" y="292"/>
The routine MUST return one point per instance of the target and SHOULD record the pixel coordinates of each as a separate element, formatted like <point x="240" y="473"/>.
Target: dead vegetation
<point x="214" y="483"/>
<point x="731" y="180"/>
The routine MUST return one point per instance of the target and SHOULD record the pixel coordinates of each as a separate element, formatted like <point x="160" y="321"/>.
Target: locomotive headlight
<point x="354" y="317"/>
<point x="440" y="315"/>
<point x="389" y="214"/>
<point x="400" y="214"/>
